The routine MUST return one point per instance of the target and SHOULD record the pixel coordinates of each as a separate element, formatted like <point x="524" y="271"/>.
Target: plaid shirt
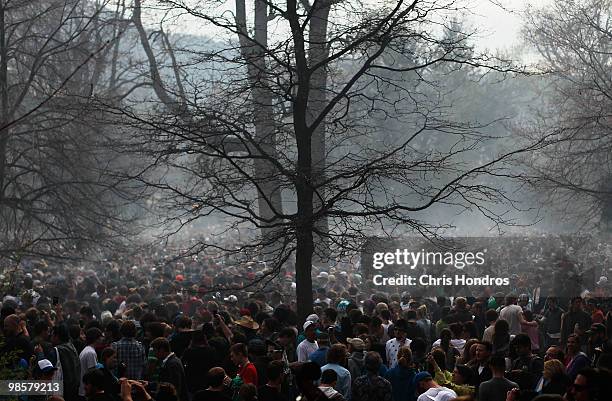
<point x="132" y="353"/>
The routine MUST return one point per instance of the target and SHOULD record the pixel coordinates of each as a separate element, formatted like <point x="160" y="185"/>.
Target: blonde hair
<point x="555" y="367"/>
<point x="422" y="311"/>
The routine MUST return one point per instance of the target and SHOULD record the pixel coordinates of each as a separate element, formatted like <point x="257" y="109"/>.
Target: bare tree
<point x="56" y="190"/>
<point x="306" y="100"/>
<point x="574" y="44"/>
<point x="251" y="48"/>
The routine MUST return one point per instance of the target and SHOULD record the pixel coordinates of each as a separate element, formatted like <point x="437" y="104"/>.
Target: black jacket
<point x="197" y="361"/>
<point x="481" y="377"/>
<point x="179" y="342"/>
<point x="557" y="385"/>
<point x="172" y="372"/>
<point x="111" y="384"/>
<point x="71" y="370"/>
<point x="415" y="331"/>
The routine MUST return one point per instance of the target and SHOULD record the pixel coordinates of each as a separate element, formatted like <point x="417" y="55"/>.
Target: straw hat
<point x="247" y="322"/>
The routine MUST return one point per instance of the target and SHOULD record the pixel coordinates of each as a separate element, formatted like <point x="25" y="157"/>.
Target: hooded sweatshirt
<point x="356" y="364"/>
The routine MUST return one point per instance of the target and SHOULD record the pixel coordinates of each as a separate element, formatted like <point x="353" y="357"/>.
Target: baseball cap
<point x="419" y="377"/>
<point x="45" y="366"/>
<point x="308" y="323"/>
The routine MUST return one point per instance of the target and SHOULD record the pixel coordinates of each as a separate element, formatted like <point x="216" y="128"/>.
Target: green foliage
<point x="8" y="361"/>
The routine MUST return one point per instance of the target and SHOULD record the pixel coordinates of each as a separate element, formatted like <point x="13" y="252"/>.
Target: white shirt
<point x="437" y="394"/>
<point x="385" y="336"/>
<point x="511" y="314"/>
<point x="455" y="342"/>
<point x="392" y="348"/>
<point x="488" y="333"/>
<point x="304" y="349"/>
<point x="121" y="309"/>
<point x="88" y="360"/>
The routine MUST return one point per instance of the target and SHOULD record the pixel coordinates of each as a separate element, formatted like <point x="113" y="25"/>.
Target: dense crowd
<point x="134" y="329"/>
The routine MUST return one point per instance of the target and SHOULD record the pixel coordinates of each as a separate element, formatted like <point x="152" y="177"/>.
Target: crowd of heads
<point x="144" y="326"/>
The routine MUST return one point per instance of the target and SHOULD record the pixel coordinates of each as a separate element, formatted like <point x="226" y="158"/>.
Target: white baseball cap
<point x="308" y="323"/>
<point x="45" y="365"/>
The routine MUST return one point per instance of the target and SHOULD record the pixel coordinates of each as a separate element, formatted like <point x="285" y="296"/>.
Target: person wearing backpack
<point x="43" y="370"/>
<point x="69" y="364"/>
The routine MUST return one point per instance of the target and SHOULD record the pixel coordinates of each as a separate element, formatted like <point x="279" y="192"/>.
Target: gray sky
<point x="498" y="21"/>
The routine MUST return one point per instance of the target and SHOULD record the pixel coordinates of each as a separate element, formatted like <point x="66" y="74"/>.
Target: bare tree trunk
<point x="269" y="198"/>
<point x="312" y="244"/>
<point x="303" y="186"/>
<point x="303" y="256"/>
<point x="305" y="246"/>
<point x="319" y="51"/>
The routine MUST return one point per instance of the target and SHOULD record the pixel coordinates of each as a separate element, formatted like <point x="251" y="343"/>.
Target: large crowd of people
<point x="134" y="329"/>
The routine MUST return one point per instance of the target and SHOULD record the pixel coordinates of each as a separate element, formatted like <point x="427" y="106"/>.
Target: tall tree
<point x="319" y="82"/>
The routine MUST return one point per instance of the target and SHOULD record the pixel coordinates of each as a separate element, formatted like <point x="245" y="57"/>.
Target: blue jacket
<point x="401" y="383"/>
<point x="319" y="356"/>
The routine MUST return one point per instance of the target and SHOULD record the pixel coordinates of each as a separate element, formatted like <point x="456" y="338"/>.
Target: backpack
<point x="237" y="382"/>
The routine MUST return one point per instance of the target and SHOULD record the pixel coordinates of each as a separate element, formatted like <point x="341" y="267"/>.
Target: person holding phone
<point x="16" y="338"/>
